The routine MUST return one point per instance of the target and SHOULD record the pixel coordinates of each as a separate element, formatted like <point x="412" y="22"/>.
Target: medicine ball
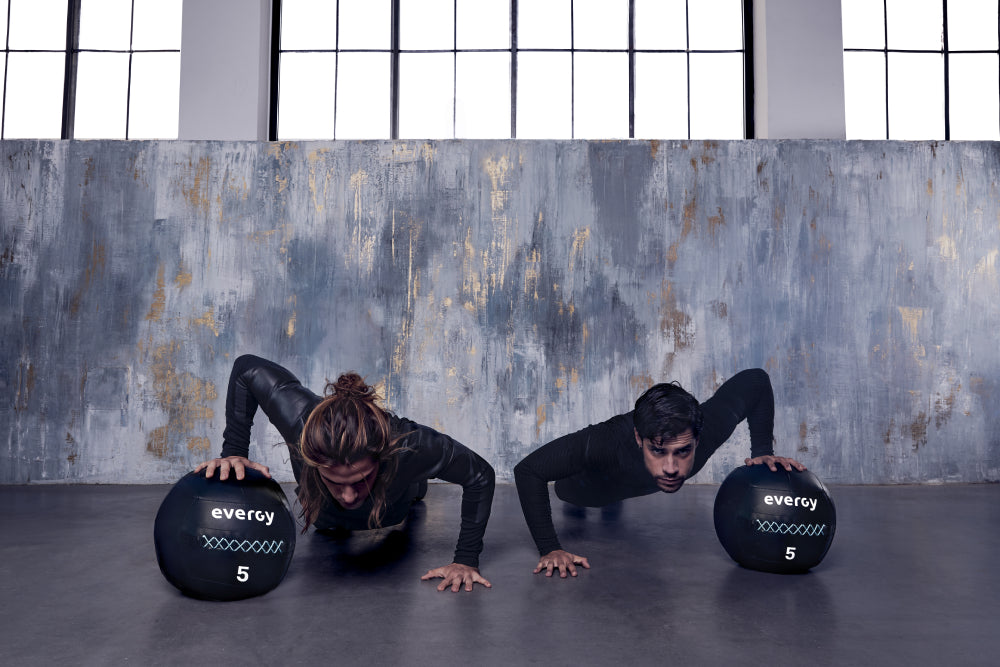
<point x="224" y="540"/>
<point x="774" y="521"/>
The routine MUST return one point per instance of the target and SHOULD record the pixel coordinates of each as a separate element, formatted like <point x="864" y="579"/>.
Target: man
<point x="666" y="439"/>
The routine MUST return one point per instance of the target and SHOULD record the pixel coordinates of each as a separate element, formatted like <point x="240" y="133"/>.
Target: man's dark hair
<point x="665" y="411"/>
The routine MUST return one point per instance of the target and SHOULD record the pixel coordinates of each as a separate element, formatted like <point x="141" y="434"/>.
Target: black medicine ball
<point x="774" y="521"/>
<point x="224" y="540"/>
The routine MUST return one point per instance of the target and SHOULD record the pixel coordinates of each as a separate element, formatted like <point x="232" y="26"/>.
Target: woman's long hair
<point x="348" y="426"/>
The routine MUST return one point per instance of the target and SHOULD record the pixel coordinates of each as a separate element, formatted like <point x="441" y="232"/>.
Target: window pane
<point x="600" y="110"/>
<point x="34" y="95"/>
<point x="864" y="95"/>
<point x="717" y="96"/>
<point x="154" y="100"/>
<point x="972" y="25"/>
<point x="308" y="24"/>
<point x="661" y="96"/>
<point x="660" y="24"/>
<point x="914" y="24"/>
<point x="426" y="24"/>
<point x="426" y="108"/>
<point x="157" y="25"/>
<point x="363" y="96"/>
<point x="482" y="107"/>
<point x="975" y="95"/>
<point x="715" y="24"/>
<point x="863" y="24"/>
<point x="484" y="24"/>
<point x="306" y="95"/>
<point x="600" y="24"/>
<point x="3" y="26"/>
<point x="101" y="96"/>
<point x="543" y="24"/>
<point x="106" y="24"/>
<point x="543" y="96"/>
<point x="38" y="24"/>
<point x="916" y="96"/>
<point x="364" y="24"/>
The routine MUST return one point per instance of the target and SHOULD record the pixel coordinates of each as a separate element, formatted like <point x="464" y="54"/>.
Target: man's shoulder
<point x="610" y="432"/>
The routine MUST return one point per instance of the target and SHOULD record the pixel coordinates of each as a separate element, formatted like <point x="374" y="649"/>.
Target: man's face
<point x="350" y="483"/>
<point x="668" y="461"/>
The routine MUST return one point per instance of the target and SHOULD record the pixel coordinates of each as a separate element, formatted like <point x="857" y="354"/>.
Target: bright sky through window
<point x="458" y="76"/>
<point x="906" y="77"/>
<point x="127" y="67"/>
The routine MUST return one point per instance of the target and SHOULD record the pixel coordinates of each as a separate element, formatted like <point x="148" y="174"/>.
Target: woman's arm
<point x="436" y="455"/>
<point x="256" y="382"/>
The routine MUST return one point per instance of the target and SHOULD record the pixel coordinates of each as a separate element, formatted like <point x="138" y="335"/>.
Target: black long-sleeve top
<point x="428" y="454"/>
<point x="602" y="464"/>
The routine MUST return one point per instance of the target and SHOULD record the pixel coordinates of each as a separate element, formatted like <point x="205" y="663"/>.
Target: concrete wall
<point x="506" y="292"/>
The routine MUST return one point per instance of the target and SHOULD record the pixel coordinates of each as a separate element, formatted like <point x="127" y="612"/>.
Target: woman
<point x="357" y="465"/>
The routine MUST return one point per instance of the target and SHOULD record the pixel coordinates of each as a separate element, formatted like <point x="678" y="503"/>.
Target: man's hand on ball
<point x="773" y="462"/>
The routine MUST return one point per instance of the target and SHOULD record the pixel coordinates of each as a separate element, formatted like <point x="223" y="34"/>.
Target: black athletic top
<point x="602" y="463"/>
<point x="258" y="382"/>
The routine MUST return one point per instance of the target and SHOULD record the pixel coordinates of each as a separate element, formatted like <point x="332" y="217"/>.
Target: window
<point x="433" y="69"/>
<point x="922" y="69"/>
<point x="90" y="69"/>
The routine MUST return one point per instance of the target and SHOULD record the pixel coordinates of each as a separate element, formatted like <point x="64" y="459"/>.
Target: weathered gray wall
<point x="505" y="292"/>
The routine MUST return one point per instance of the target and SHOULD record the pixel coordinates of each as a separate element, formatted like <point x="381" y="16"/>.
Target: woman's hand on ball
<point x="238" y="464"/>
<point x="455" y="575"/>
<point x="773" y="462"/>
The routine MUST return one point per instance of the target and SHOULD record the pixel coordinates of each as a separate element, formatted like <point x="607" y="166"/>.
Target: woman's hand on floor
<point x="455" y="575"/>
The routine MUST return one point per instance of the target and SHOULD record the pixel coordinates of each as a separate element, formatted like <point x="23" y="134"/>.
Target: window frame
<point x="394" y="52"/>
<point x="945" y="52"/>
<point x="72" y="52"/>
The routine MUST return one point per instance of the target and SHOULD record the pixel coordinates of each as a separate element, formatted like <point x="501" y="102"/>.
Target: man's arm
<point x="747" y="395"/>
<point x="563" y="457"/>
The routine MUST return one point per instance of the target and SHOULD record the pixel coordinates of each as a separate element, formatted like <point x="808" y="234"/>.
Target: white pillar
<point x="798" y="70"/>
<point x="225" y="61"/>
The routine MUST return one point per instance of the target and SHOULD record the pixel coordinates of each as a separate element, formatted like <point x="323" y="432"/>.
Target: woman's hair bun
<point x="350" y="385"/>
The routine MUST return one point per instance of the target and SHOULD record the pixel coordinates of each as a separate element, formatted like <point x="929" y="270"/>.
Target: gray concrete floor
<point x="911" y="579"/>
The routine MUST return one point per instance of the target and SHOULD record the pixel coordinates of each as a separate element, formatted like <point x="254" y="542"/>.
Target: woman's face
<point x="350" y="483"/>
